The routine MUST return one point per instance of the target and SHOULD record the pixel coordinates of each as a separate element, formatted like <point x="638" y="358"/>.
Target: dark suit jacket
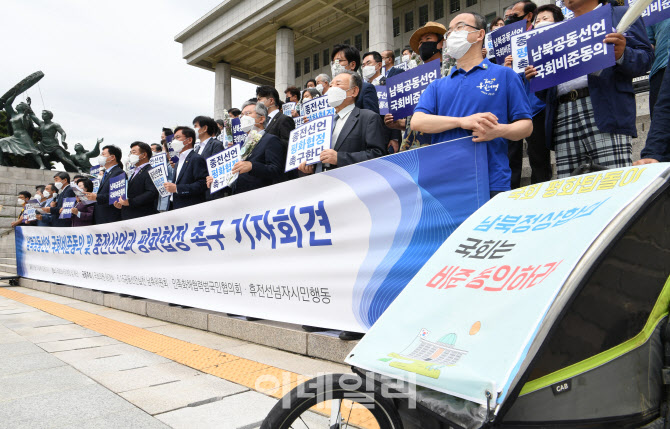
<point x="361" y="138"/>
<point x="213" y="147"/>
<point x="658" y="144"/>
<point x="191" y="182"/>
<point x="267" y="160"/>
<point x="367" y="99"/>
<point x="105" y="212"/>
<point x="611" y="92"/>
<point x="85" y="217"/>
<point x="281" y="126"/>
<point x="394" y="71"/>
<point x="142" y="196"/>
<point x="55" y="211"/>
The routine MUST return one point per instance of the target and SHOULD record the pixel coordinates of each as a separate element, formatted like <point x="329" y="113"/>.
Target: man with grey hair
<point x="358" y="134"/>
<point x="322" y="83"/>
<point x="263" y="155"/>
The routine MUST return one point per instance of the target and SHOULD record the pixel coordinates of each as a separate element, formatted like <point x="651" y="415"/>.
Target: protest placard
<point x="220" y="167"/>
<point x="68" y="203"/>
<point x="287" y="107"/>
<point x="307" y="142"/>
<point x="317" y="108"/>
<point x="159" y="178"/>
<point x="95" y="171"/>
<point x="520" y="47"/>
<point x="299" y="121"/>
<point x="657" y="11"/>
<point x="117" y="188"/>
<point x="572" y="49"/>
<point x="82" y="196"/>
<point x="159" y="160"/>
<point x="96" y="185"/>
<point x="174" y="156"/>
<point x="488" y="44"/>
<point x="29" y="214"/>
<point x="405" y="89"/>
<point x="502" y="39"/>
<point x="238" y="135"/>
<point x="383" y="96"/>
<point x="567" y="13"/>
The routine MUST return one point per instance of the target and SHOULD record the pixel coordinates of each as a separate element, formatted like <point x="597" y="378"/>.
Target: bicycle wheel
<point x="334" y="401"/>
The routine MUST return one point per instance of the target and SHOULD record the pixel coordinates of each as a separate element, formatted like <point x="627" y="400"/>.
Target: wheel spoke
<point x="303" y="422"/>
<point x="335" y="414"/>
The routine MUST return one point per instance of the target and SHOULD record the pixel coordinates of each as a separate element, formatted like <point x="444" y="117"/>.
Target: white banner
<point x="331" y="249"/>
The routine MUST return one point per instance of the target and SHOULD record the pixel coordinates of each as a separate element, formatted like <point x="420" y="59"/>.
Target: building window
<point x="409" y="21"/>
<point x="326" y="57"/>
<point x="306" y="65"/>
<point x="396" y="26"/>
<point x="438" y="10"/>
<point x="316" y="62"/>
<point x="469" y="3"/>
<point x="454" y="6"/>
<point x="358" y="42"/>
<point x="367" y="39"/>
<point x="297" y="69"/>
<point x="489" y="18"/>
<point x="423" y="15"/>
<point x="347" y="42"/>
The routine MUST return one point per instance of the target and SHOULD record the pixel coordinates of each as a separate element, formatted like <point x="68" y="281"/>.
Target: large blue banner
<point x="331" y="249"/>
<point x="572" y="49"/>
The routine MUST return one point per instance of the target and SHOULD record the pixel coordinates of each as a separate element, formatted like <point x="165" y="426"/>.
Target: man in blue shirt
<point x="478" y="98"/>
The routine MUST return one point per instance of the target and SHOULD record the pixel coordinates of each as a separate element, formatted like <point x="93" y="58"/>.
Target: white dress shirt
<point x="339" y="124"/>
<point x="271" y="117"/>
<point x="201" y="149"/>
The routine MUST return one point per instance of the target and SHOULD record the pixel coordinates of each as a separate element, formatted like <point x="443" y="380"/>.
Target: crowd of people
<point x="590" y="119"/>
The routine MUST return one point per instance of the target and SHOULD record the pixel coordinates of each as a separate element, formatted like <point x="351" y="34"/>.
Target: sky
<point x="111" y="68"/>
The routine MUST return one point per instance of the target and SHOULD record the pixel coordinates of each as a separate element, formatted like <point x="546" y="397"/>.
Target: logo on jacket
<point x="488" y="86"/>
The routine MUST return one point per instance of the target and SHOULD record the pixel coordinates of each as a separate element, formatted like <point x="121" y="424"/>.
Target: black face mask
<point x="512" y="19"/>
<point x="427" y="50"/>
<point x="288" y="99"/>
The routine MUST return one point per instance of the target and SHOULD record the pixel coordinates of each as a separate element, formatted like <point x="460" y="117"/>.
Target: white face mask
<point x="247" y="123"/>
<point x="21" y="201"/>
<point x="319" y="88"/>
<point x="177" y="145"/>
<point x="133" y="159"/>
<point x="543" y="24"/>
<point x="405" y="58"/>
<point x="59" y="185"/>
<point x="336" y="96"/>
<point x="457" y="44"/>
<point x="336" y="68"/>
<point x="102" y="160"/>
<point x="46" y="194"/>
<point x="368" y="72"/>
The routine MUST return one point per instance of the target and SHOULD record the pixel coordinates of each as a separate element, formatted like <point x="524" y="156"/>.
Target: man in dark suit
<point x="110" y="160"/>
<point x="142" y="195"/>
<point x="388" y="58"/>
<point x="277" y="123"/>
<point x="62" y="183"/>
<point x="206" y="129"/>
<point x="347" y="57"/>
<point x="189" y="187"/>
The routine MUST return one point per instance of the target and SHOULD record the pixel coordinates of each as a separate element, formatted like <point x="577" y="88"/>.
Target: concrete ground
<point x="58" y="374"/>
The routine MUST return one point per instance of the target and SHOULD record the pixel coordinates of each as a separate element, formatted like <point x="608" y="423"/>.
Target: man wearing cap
<point x="428" y="42"/>
<point x="478" y="99"/>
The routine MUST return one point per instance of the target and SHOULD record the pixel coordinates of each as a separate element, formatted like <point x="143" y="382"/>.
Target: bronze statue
<point x="49" y="142"/>
<point x="20" y="144"/>
<point x="81" y="157"/>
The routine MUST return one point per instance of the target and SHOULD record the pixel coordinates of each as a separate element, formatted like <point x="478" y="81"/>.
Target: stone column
<point x="381" y="25"/>
<point x="284" y="62"/>
<point x="222" y="88"/>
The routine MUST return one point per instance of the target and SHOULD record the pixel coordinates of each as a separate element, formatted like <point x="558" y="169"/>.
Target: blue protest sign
<point x="405" y="89"/>
<point x="117" y="188"/>
<point x="68" y="203"/>
<point x="220" y="167"/>
<point x="383" y="96"/>
<point x="572" y="49"/>
<point x="519" y="47"/>
<point x="95" y="170"/>
<point x="174" y="156"/>
<point x="502" y="39"/>
<point x="287" y="108"/>
<point x="238" y="135"/>
<point x="96" y="185"/>
<point x="308" y="141"/>
<point x="567" y="13"/>
<point x="317" y="108"/>
<point x="656" y="12"/>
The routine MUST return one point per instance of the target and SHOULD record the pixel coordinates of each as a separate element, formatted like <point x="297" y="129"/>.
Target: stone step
<point x="279" y="335"/>
<point x="8" y="261"/>
<point x="6" y="268"/>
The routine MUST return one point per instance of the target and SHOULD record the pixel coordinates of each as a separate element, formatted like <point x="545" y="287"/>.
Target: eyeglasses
<point x="340" y="61"/>
<point x="460" y="27"/>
